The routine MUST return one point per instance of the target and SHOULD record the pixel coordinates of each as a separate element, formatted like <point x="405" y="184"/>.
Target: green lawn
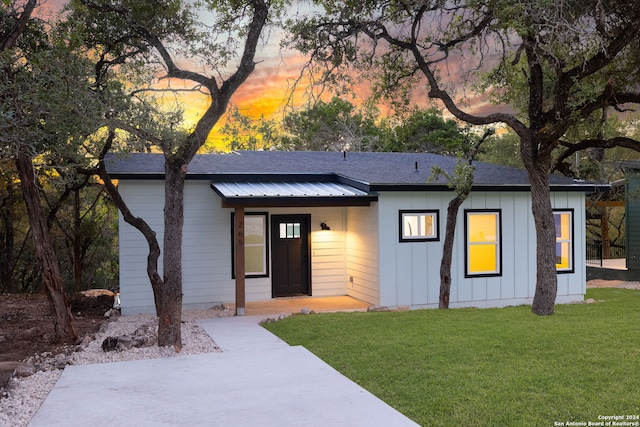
<point x="488" y="367"/>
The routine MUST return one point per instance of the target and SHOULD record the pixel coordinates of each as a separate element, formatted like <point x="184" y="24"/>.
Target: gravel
<point x="23" y="396"/>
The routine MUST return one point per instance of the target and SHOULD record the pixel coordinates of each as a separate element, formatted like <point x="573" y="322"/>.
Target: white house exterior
<point x="386" y="230"/>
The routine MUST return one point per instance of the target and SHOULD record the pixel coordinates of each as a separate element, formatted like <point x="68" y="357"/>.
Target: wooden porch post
<point x="239" y="256"/>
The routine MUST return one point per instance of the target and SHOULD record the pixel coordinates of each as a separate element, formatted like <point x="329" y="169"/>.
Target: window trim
<point x="498" y="272"/>
<point x="433" y="212"/>
<point x="266" y="244"/>
<point x="572" y="255"/>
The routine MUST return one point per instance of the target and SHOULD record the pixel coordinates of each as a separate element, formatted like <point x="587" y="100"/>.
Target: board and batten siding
<point x="410" y="271"/>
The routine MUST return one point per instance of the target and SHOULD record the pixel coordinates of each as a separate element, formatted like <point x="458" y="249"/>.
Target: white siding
<point x="327" y="249"/>
<point x="360" y="256"/>
<point x="362" y="253"/>
<point x="207" y="272"/>
<point x="206" y="246"/>
<point x="410" y="271"/>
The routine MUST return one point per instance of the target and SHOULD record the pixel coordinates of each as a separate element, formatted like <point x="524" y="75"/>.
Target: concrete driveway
<point x="258" y="380"/>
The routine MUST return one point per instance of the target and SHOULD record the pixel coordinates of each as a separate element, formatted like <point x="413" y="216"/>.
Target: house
<point x="616" y="255"/>
<point x="368" y="225"/>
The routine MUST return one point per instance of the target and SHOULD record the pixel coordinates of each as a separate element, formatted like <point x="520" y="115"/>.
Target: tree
<point x="502" y="149"/>
<point x="461" y="181"/>
<point x="158" y="34"/>
<point x="241" y="132"/>
<point x="337" y="125"/>
<point x="555" y="63"/>
<point x="426" y="131"/>
<point x="36" y="99"/>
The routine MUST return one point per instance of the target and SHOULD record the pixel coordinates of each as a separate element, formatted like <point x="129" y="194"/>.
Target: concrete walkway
<point x="258" y="381"/>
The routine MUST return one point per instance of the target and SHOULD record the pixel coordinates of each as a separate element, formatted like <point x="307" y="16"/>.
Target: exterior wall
<point x="362" y="257"/>
<point x="410" y="272"/>
<point x="328" y="267"/>
<point x="207" y="273"/>
<point x="206" y="246"/>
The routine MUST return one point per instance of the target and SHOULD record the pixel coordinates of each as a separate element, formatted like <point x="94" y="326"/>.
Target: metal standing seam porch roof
<point x="272" y="193"/>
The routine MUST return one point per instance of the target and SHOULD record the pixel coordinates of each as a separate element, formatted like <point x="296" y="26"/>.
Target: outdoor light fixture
<point x="324" y="226"/>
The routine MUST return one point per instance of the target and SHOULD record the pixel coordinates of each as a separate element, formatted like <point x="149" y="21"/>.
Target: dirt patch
<point x="600" y="283"/>
<point x="26" y="325"/>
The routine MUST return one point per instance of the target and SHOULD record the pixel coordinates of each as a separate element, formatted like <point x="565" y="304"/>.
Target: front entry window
<point x="256" y="249"/>
<point x="290" y="230"/>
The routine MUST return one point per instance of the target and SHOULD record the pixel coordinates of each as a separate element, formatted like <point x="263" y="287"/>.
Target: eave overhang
<point x="289" y="193"/>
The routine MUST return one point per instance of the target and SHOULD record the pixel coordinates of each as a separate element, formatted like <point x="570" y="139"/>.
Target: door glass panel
<point x="290" y="230"/>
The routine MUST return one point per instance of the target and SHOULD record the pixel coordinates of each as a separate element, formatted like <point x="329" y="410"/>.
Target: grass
<point x="488" y="367"/>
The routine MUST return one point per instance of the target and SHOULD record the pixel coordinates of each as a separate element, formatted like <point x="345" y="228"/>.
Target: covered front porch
<point x="303" y="239"/>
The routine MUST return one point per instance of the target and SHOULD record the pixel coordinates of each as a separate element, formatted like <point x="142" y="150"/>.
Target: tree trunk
<point x="8" y="256"/>
<point x="45" y="254"/>
<point x="140" y="225"/>
<point x="447" y="251"/>
<point x="170" y="313"/>
<point x="77" y="242"/>
<point x="538" y="168"/>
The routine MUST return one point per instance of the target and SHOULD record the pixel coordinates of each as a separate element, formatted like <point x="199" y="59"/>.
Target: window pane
<point x="564" y="244"/>
<point x="255" y="245"/>
<point x="427" y="225"/>
<point x="418" y="226"/>
<point x="563" y="225"/>
<point x="563" y="256"/>
<point x="483" y="242"/>
<point x="283" y="231"/>
<point x="254" y="259"/>
<point x="296" y="230"/>
<point x="254" y="230"/>
<point x="410" y="226"/>
<point x="483" y="259"/>
<point x="483" y="227"/>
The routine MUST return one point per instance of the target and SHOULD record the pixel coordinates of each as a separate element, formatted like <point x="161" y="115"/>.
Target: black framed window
<point x="419" y="225"/>
<point x="483" y="237"/>
<point x="563" y="219"/>
<point x="256" y="244"/>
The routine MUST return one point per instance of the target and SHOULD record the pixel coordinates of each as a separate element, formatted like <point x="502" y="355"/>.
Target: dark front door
<point x="290" y="255"/>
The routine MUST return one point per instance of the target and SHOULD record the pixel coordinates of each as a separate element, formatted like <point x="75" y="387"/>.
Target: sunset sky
<point x="268" y="88"/>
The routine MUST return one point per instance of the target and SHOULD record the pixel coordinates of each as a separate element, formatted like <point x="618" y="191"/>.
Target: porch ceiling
<point x="298" y="193"/>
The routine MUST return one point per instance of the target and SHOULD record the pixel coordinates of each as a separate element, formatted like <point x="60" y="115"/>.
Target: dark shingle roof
<point x="377" y="170"/>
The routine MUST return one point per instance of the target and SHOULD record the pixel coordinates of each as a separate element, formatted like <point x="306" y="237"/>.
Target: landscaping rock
<point x="378" y="308"/>
<point x="144" y="336"/>
<point x="25" y="370"/>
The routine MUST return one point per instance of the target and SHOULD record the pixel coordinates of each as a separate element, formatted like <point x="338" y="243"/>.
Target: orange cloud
<point x="266" y="92"/>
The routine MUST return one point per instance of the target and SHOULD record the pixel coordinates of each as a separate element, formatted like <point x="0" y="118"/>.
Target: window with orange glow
<point x="564" y="240"/>
<point x="482" y="233"/>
